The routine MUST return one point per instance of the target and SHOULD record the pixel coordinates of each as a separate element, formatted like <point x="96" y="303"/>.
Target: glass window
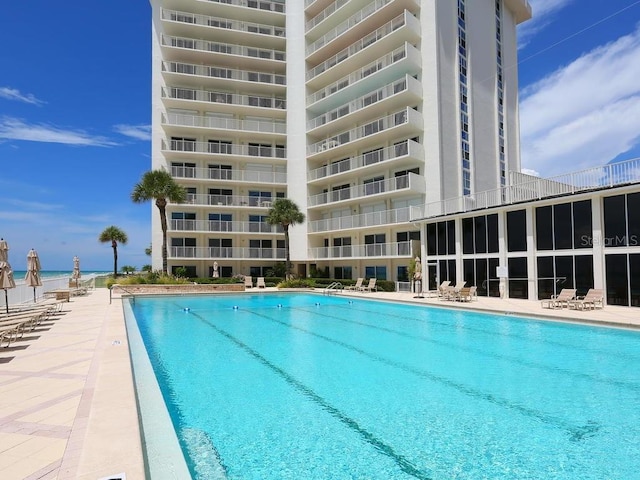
<point x="583" y="273"/>
<point x="546" y="278"/>
<point x="582" y="224"/>
<point x="617" y="277"/>
<point x="633" y="213"/>
<point x="467" y="235"/>
<point x="562" y="230"/>
<point x="451" y="237"/>
<point x="634" y="278"/>
<point x="564" y="273"/>
<point x="442" y="238"/>
<point x="482" y="277"/>
<point x="544" y="228"/>
<point x="494" y="281"/>
<point x="518" y="283"/>
<point x="469" y="271"/>
<point x="615" y="231"/>
<point x="492" y="233"/>
<point x="480" y="225"/>
<point x="431" y="239"/>
<point x="517" y="231"/>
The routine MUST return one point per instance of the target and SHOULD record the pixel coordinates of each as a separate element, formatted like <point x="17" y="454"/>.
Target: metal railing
<point x="396" y="250"/>
<point x="373" y="219"/>
<point x="182" y="120"/>
<point x="219" y="22"/>
<point x="226" y="252"/>
<point x="181" y="93"/>
<point x="230" y="226"/>
<point x="251" y="176"/>
<point x="228" y="200"/>
<point x="224" y="48"/>
<point x="191" y="146"/>
<point x="223" y="73"/>
<point x="259" y="4"/>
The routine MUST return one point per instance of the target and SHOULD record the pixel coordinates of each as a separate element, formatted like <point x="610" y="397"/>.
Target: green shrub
<point x="298" y="283"/>
<point x="151" y="278"/>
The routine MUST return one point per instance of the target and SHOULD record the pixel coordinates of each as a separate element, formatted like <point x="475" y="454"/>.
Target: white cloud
<point x="528" y="171"/>
<point x="586" y="113"/>
<point x="543" y="14"/>
<point x="13" y="94"/>
<point x="139" y="132"/>
<point x="15" y="129"/>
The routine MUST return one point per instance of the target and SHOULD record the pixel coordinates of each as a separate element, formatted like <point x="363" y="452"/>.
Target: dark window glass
<point x="518" y="284"/>
<point x="564" y="273"/>
<point x="451" y="237"/>
<point x="431" y="239"/>
<point x="582" y="225"/>
<point x="546" y="280"/>
<point x="615" y="232"/>
<point x="634" y="276"/>
<point x="563" y="234"/>
<point x="544" y="228"/>
<point x="451" y="266"/>
<point x="517" y="231"/>
<point x="444" y="272"/>
<point x="633" y="212"/>
<point x="617" y="279"/>
<point x="492" y="233"/>
<point x="469" y="271"/>
<point x="481" y="277"/>
<point x="480" y="225"/>
<point x="467" y="235"/>
<point x="494" y="281"/>
<point x="584" y="273"/>
<point x="442" y="238"/>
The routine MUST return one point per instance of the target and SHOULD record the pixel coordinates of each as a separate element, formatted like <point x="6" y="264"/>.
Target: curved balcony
<point x="231" y="176"/>
<point x="365" y="220"/>
<point x="228" y="201"/>
<point x="403" y="92"/>
<point x="207" y="226"/>
<point x="403" y="184"/>
<point x="404" y="153"/>
<point x="178" y="97"/>
<point x="406" y="122"/>
<point x="223" y="54"/>
<point x="188" y="149"/>
<point x="403" y="60"/>
<point x="234" y="253"/>
<point x="182" y="124"/>
<point x="236" y="31"/>
<point x="192" y="75"/>
<point x="403" y="28"/>
<point x="386" y="250"/>
<point x="252" y="10"/>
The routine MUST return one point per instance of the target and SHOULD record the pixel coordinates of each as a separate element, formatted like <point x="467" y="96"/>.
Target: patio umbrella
<point x="417" y="277"/>
<point x="6" y="273"/>
<point x="76" y="270"/>
<point x="215" y="270"/>
<point x="32" y="278"/>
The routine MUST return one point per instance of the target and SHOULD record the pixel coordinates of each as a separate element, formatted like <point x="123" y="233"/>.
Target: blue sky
<point x="75" y="114"/>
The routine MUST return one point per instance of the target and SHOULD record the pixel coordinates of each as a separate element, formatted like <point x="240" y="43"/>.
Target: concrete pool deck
<point x="67" y="403"/>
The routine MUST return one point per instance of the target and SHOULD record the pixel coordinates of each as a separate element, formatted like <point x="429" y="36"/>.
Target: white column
<point x="532" y="270"/>
<point x="597" y="242"/>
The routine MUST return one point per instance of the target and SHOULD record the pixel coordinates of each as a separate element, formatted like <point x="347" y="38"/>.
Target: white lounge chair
<point x="357" y="286"/>
<point x="371" y="286"/>
<point x="260" y="283"/>
<point x="248" y="281"/>
<point x="592" y="300"/>
<point x="560" y="300"/>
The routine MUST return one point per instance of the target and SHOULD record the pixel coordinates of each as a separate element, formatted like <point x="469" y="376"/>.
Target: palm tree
<point x="114" y="235"/>
<point x="284" y="212"/>
<point x="159" y="185"/>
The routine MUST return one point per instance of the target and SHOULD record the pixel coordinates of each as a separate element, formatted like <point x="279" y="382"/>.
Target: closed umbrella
<point x="76" y="270"/>
<point x="33" y="272"/>
<point x="215" y="270"/>
<point x="417" y="278"/>
<point x="6" y="273"/>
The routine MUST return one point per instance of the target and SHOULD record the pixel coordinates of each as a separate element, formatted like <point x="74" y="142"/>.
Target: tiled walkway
<point x="67" y="406"/>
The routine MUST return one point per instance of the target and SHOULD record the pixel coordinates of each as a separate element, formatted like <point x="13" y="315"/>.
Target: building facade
<point x="357" y="110"/>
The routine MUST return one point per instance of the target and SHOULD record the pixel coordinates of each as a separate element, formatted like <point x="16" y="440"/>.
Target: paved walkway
<point x="67" y="405"/>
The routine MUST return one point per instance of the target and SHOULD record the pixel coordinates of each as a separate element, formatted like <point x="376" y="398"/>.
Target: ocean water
<point x="277" y="387"/>
<point x="20" y="274"/>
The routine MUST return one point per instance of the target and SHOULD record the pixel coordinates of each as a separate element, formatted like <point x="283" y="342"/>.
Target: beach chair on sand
<point x="560" y="300"/>
<point x="357" y="286"/>
<point x="371" y="286"/>
<point x="260" y="283"/>
<point x="592" y="300"/>
<point x="248" y="281"/>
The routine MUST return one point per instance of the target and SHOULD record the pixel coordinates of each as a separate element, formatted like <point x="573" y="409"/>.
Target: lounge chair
<point x="473" y="292"/>
<point x="371" y="286"/>
<point x="463" y="295"/>
<point x="592" y="300"/>
<point x="442" y="289"/>
<point x="260" y="283"/>
<point x="560" y="300"/>
<point x="248" y="281"/>
<point x="357" y="286"/>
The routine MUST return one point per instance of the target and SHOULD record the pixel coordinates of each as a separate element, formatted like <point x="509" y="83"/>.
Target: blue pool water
<point x="302" y="386"/>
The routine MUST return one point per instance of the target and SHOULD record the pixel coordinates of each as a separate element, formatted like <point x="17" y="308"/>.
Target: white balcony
<point x="520" y="8"/>
<point x="406" y="122"/>
<point x="362" y="221"/>
<point x="402" y="92"/>
<point x="384" y="70"/>
<point x="232" y="253"/>
<point x="222" y="201"/>
<point x="403" y="28"/>
<point x="405" y="153"/>
<point x="179" y="124"/>
<point x="207" y="226"/>
<point x="225" y="102"/>
<point x="261" y="11"/>
<point x="187" y="149"/>
<point x="411" y="183"/>
<point x="376" y="250"/>
<point x="229" y="176"/>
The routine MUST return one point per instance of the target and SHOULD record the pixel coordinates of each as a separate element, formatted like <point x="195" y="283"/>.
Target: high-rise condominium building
<point x="356" y="110"/>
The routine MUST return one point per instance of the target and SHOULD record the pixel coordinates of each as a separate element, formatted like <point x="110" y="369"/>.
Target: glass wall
<point x="518" y="278"/>
<point x="564" y="226"/>
<point x="480" y="234"/>
<point x="567" y="271"/>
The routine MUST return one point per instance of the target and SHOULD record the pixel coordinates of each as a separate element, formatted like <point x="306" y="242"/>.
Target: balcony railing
<point x="389" y="59"/>
<point x="387" y="250"/>
<point x="189" y="146"/>
<point x="219" y="22"/>
<point x="224" y="73"/>
<point x="226" y="252"/>
<point x="251" y="176"/>
<point x="404" y="116"/>
<point x="360" y="45"/>
<point x="259" y="4"/>
<point x="399" y="150"/>
<point x="365" y="220"/>
<point x="225" y="48"/>
<point x="228" y="200"/>
<point x="525" y="188"/>
<point x="181" y="120"/>
<point x="352" y="21"/>
<point x="223" y="226"/>
<point x="325" y="13"/>
<point x="179" y="93"/>
<point x="403" y="182"/>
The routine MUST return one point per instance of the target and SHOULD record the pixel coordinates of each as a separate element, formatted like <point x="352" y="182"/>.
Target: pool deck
<point x="67" y="404"/>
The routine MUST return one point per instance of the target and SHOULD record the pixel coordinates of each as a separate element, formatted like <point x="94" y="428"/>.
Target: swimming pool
<point x="303" y="386"/>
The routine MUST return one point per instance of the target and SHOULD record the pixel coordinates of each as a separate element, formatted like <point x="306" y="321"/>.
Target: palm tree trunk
<point x="286" y="251"/>
<point x="114" y="245"/>
<point x="163" y="224"/>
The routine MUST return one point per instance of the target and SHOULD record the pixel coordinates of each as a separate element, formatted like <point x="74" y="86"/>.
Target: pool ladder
<point x="332" y="288"/>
